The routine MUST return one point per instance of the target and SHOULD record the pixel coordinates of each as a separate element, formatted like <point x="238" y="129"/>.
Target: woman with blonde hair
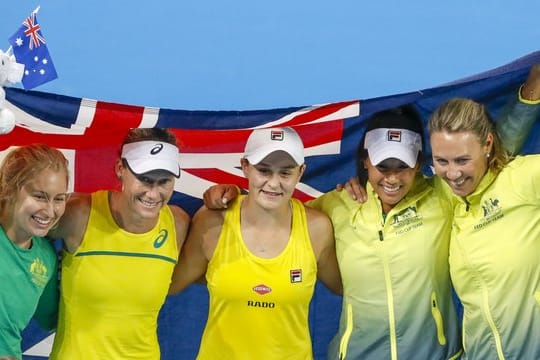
<point x="495" y="246"/>
<point x="33" y="195"/>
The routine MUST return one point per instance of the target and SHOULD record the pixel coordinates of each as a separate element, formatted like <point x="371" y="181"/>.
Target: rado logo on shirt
<point x="261" y="304"/>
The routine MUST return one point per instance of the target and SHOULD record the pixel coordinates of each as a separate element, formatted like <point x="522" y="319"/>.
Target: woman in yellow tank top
<point x="120" y="248"/>
<point x="261" y="258"/>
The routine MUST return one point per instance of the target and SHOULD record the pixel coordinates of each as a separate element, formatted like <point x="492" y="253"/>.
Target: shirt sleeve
<point x="515" y="122"/>
<point x="524" y="178"/>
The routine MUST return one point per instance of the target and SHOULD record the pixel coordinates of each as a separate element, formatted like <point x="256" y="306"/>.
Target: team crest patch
<point x="39" y="273"/>
<point x="296" y="275"/>
<point x="262" y="289"/>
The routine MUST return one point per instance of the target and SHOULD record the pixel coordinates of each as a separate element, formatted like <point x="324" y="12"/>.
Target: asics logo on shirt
<point x="162" y="237"/>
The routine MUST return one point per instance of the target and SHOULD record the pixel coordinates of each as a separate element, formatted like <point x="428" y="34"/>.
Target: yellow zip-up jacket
<point x="397" y="296"/>
<point x="495" y="263"/>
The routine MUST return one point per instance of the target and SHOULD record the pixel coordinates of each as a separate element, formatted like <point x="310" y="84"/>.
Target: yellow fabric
<point x="494" y="263"/>
<point x="243" y="324"/>
<point x="113" y="287"/>
<point x="397" y="300"/>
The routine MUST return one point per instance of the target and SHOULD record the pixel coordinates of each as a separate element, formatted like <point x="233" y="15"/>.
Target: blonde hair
<point x="465" y="115"/>
<point x="23" y="165"/>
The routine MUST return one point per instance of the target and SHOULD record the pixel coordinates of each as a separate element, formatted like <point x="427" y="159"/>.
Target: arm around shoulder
<point x="321" y="233"/>
<point x="72" y="224"/>
<point x="198" y="249"/>
<point x="181" y="224"/>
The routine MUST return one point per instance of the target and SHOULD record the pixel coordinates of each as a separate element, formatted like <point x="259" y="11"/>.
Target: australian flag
<point x="89" y="132"/>
<point x="29" y="49"/>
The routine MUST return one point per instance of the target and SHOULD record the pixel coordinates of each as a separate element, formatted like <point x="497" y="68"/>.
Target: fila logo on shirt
<point x="296" y="275"/>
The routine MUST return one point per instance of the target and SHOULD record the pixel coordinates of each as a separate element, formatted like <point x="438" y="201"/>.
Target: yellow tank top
<point x="113" y="287"/>
<point x="259" y="307"/>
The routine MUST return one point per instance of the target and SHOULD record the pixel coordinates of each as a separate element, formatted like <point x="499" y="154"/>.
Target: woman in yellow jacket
<point x="393" y="250"/>
<point x="495" y="244"/>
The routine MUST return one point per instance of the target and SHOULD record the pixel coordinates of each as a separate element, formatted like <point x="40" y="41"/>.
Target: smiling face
<point x="146" y="193"/>
<point x="391" y="179"/>
<point x="273" y="180"/>
<point x="38" y="206"/>
<point x="460" y="159"/>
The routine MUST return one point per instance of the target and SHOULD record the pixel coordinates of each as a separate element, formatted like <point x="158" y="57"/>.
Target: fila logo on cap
<point x="156" y="149"/>
<point x="394" y="135"/>
<point x="276" y="135"/>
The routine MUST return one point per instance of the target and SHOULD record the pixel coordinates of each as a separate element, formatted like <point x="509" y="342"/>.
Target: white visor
<point x="145" y="156"/>
<point x="263" y="142"/>
<point x="401" y="144"/>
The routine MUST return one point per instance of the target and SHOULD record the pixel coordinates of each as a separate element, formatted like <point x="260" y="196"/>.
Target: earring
<point x="487" y="155"/>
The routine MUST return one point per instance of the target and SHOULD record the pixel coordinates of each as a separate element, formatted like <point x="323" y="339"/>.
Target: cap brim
<point x="378" y="154"/>
<point x="144" y="165"/>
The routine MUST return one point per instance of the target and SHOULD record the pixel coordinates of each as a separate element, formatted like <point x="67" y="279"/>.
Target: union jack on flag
<point x="212" y="142"/>
<point x="90" y="132"/>
<point x="33" y="31"/>
<point x="29" y="49"/>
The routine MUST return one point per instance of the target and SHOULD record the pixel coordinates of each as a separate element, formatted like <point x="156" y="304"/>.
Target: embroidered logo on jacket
<point x="296" y="275"/>
<point x="39" y="272"/>
<point x="407" y="220"/>
<point x="491" y="210"/>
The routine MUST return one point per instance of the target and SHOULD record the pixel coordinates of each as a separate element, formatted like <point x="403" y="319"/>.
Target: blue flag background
<point x="90" y="131"/>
